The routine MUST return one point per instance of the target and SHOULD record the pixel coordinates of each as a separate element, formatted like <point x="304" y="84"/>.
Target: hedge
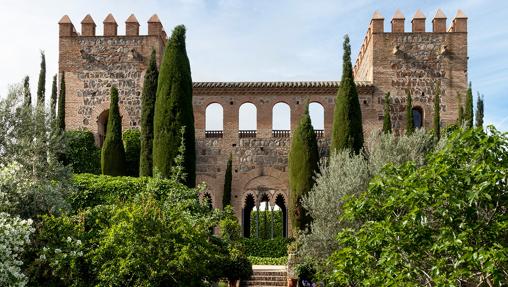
<point x="92" y="190"/>
<point x="132" y="145"/>
<point x="274" y="248"/>
<point x="254" y="260"/>
<point x="81" y="152"/>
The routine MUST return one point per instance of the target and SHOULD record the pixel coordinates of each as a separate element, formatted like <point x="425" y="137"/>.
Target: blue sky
<point x="262" y="40"/>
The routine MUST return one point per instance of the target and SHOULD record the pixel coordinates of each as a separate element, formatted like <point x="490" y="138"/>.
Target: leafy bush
<point x="265" y="223"/>
<point x="441" y="224"/>
<point x="81" y="152"/>
<point x="132" y="144"/>
<point x="276" y="247"/>
<point x="346" y="175"/>
<point x="268" y="260"/>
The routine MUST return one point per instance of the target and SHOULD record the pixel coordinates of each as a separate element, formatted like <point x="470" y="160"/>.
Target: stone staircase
<point x="266" y="275"/>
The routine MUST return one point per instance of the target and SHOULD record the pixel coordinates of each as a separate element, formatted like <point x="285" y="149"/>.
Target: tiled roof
<point x="302" y="84"/>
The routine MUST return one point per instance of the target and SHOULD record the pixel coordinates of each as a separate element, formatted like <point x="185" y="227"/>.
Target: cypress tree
<point x="41" y="85"/>
<point x="468" y="110"/>
<point x="303" y="163"/>
<point x="113" y="153"/>
<point x="26" y="92"/>
<point x="460" y="108"/>
<point x="437" y="113"/>
<point x="479" y="112"/>
<point x="173" y="110"/>
<point x="61" y="104"/>
<point x="52" y="103"/>
<point x="228" y="177"/>
<point x="347" y="130"/>
<point x="147" y="114"/>
<point x="410" y="125"/>
<point x="387" y="122"/>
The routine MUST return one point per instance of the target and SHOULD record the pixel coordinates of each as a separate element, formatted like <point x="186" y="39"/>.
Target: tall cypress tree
<point x="147" y="114"/>
<point x="347" y="130"/>
<point x="41" y="85"/>
<point x="26" y="92"/>
<point x="437" y="113"/>
<point x="61" y="104"/>
<point x="52" y="103"/>
<point x="228" y="177"/>
<point x="303" y="163"/>
<point x="113" y="153"/>
<point x="387" y="122"/>
<point x="460" y="110"/>
<point x="410" y="125"/>
<point x="479" y="112"/>
<point x="468" y="109"/>
<point x="173" y="110"/>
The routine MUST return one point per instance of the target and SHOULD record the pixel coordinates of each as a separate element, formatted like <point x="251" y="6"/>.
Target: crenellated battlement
<point x="110" y="27"/>
<point x="376" y="26"/>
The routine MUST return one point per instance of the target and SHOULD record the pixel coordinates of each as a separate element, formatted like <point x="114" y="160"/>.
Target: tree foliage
<point x="228" y="177"/>
<point x="132" y="142"/>
<point x="113" y="153"/>
<point x="437" y="113"/>
<point x="468" y="110"/>
<point x="303" y="164"/>
<point x="173" y="110"/>
<point x="387" y="122"/>
<point x="347" y="130"/>
<point x="410" y="124"/>
<point x="27" y="95"/>
<point x="479" y="112"/>
<point x="147" y="117"/>
<point x="41" y="85"/>
<point x="53" y="100"/>
<point x="440" y="224"/>
<point x="345" y="175"/>
<point x="61" y="104"/>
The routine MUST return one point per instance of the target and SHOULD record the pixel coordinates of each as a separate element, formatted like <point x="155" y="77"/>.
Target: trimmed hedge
<point x="92" y="190"/>
<point x="254" y="260"/>
<point x="81" y="152"/>
<point x="132" y="145"/>
<point x="277" y="247"/>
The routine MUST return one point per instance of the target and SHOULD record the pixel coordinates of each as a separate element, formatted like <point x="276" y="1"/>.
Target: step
<point x="268" y="277"/>
<point x="263" y="283"/>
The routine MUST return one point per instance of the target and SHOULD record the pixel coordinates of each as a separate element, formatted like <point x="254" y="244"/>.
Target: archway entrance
<point x="264" y="215"/>
<point x="102" y="125"/>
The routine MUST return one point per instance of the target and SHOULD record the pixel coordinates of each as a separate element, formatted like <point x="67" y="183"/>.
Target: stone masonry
<point x="397" y="62"/>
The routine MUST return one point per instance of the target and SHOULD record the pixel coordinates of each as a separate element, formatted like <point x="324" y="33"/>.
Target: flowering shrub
<point x="14" y="235"/>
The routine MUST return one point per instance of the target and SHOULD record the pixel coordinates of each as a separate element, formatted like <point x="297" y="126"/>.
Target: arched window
<point x="102" y="125"/>
<point x="417" y="117"/>
<point x="317" y="117"/>
<point x="281" y="120"/>
<point x="247" y="120"/>
<point x="214" y="121"/>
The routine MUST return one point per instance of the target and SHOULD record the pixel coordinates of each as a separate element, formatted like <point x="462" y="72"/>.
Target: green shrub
<point x="443" y="223"/>
<point x="265" y="224"/>
<point x="131" y="142"/>
<point x="81" y="152"/>
<point x="91" y="190"/>
<point x="268" y="260"/>
<point x="276" y="247"/>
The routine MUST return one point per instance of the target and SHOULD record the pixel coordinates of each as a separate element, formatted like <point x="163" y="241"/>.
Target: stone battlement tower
<point x="396" y="61"/>
<point x="93" y="63"/>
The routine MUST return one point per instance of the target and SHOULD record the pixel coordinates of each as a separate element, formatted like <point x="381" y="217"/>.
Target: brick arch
<point x="100" y="109"/>
<point x="221" y="113"/>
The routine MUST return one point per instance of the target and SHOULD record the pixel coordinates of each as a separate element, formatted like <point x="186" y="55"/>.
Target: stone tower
<point x="93" y="63"/>
<point x="399" y="62"/>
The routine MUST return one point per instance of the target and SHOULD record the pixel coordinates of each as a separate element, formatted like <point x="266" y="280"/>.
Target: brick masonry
<point x="393" y="62"/>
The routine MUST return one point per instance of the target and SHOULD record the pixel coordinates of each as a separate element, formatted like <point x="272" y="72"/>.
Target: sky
<point x="262" y="40"/>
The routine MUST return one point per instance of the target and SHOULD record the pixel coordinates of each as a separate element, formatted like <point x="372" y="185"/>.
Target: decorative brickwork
<point x="393" y="62"/>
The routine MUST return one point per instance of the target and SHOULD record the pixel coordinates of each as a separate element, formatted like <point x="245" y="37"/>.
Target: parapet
<point x="458" y="25"/>
<point x="110" y="27"/>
